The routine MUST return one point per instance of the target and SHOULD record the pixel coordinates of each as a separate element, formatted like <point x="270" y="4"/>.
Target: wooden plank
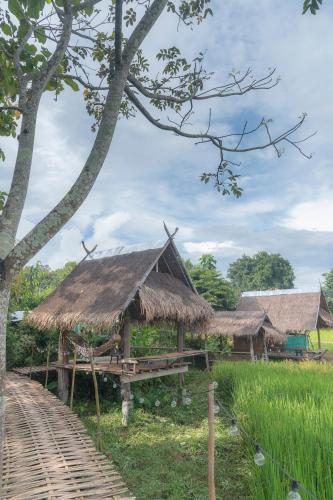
<point x="154" y="374"/>
<point x="169" y="355"/>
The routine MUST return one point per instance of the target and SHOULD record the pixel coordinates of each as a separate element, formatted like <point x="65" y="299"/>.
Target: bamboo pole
<point x="180" y="347"/>
<point x="47" y="364"/>
<point x="98" y="411"/>
<point x="73" y="380"/>
<point x="32" y="359"/>
<point x="319" y="340"/>
<point x="211" y="444"/>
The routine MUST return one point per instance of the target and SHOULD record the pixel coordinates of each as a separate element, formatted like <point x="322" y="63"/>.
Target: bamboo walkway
<point x="47" y="452"/>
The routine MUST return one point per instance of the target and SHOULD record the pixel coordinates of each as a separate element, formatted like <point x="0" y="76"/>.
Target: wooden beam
<point x="125" y="379"/>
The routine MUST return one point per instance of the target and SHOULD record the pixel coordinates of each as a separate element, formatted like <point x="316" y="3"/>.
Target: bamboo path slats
<point x="47" y="452"/>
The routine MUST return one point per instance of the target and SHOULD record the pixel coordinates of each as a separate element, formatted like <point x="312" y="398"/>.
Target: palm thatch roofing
<point x="243" y="323"/>
<point x="290" y="310"/>
<point x="148" y="285"/>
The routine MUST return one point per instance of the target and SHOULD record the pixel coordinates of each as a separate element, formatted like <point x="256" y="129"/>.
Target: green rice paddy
<point x="286" y="407"/>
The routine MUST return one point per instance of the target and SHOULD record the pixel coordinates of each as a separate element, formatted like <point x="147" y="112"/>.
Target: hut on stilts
<point x="252" y="333"/>
<point x="294" y="312"/>
<point x="108" y="292"/>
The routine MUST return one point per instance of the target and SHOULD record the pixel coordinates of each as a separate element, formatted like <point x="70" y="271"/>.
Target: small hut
<point x="295" y="312"/>
<point x="108" y="292"/>
<point x="252" y="332"/>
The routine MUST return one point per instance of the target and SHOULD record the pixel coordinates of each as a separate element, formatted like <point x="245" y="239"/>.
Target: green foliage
<point x="210" y="284"/>
<point x="30" y="287"/>
<point x="170" y="444"/>
<point x="328" y="288"/>
<point x="284" y="406"/>
<point x="312" y="6"/>
<point x="263" y="271"/>
<point x="34" y="283"/>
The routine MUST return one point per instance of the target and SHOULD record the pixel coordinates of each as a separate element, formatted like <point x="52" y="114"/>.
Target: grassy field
<point x="326" y="337"/>
<point x="287" y="407"/>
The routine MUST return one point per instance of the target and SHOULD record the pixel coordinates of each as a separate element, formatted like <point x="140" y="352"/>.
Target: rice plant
<point x="288" y="409"/>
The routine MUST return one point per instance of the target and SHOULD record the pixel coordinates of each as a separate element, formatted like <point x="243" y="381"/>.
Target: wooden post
<point x="319" y="340"/>
<point x="98" y="410"/>
<point x="251" y="348"/>
<point x="207" y="354"/>
<point x="211" y="444"/>
<point x="180" y="348"/>
<point x="265" y="348"/>
<point x="47" y="364"/>
<point x="73" y="380"/>
<point x="63" y="375"/>
<point x="126" y="387"/>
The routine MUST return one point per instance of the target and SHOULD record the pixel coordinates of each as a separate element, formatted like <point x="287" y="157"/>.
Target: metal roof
<point x="288" y="291"/>
<point x="123" y="250"/>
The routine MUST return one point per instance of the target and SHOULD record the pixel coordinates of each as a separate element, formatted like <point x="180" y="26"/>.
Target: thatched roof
<point x="163" y="297"/>
<point x="243" y="323"/>
<point x="100" y="291"/>
<point x="290" y="310"/>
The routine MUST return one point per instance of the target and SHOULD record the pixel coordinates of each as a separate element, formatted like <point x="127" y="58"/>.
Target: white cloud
<point x="215" y="247"/>
<point x="316" y="215"/>
<point x="65" y="246"/>
<point x="105" y="227"/>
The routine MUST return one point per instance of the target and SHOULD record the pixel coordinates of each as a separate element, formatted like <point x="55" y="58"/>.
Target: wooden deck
<point x="47" y="452"/>
<point x="26" y="370"/>
<point x="298" y="356"/>
<point x="129" y="370"/>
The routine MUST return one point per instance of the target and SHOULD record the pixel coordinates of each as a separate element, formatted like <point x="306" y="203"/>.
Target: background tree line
<point x="263" y="271"/>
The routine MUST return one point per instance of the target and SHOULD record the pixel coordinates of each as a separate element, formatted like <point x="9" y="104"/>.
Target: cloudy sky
<point x="152" y="176"/>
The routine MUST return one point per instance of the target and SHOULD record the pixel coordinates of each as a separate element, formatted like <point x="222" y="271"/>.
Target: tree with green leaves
<point x="47" y="45"/>
<point x="34" y="283"/>
<point x="328" y="289"/>
<point x="209" y="283"/>
<point x="263" y="271"/>
<point x="312" y="6"/>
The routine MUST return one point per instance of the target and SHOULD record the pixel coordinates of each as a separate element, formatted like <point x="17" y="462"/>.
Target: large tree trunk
<point x="4" y="302"/>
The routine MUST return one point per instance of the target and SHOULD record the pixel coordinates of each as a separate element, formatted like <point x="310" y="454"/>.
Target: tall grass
<point x="288" y="409"/>
<point x="326" y="337"/>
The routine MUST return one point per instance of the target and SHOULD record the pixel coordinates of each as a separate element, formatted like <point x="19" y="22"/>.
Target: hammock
<point x="77" y="341"/>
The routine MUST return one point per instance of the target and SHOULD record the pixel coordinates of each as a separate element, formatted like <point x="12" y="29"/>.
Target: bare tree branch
<point x="214" y="139"/>
<point x="265" y="83"/>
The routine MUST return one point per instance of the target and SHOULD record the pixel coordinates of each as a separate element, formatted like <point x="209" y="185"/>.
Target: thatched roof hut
<point x="290" y="310"/>
<point x="149" y="285"/>
<point x="244" y="324"/>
